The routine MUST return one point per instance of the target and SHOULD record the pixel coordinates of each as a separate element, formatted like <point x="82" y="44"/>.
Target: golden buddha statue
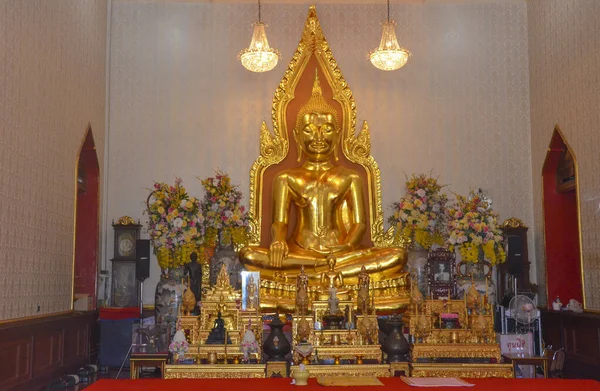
<point x="251" y="299"/>
<point x="329" y="201"/>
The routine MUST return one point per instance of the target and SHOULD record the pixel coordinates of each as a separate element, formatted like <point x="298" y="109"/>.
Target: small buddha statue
<point x="333" y="301"/>
<point x="188" y="300"/>
<point x="218" y="333"/>
<point x="302" y="293"/>
<point x="363" y="291"/>
<point x="194" y="271"/>
<point x="321" y="191"/>
<point x="251" y="289"/>
<point x="331" y="278"/>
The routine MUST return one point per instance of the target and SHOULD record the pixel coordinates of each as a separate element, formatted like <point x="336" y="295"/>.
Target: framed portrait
<point x="441" y="274"/>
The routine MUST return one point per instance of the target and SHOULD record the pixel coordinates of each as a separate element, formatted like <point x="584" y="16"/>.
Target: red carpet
<point x="284" y="384"/>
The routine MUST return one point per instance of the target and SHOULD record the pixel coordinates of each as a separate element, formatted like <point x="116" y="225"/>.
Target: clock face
<point x="126" y="245"/>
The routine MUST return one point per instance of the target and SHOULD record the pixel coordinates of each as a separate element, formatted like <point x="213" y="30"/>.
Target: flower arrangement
<point x="179" y="347"/>
<point x="175" y="224"/>
<point x="223" y="212"/>
<point x="248" y="348"/>
<point x="473" y="227"/>
<point x="420" y="216"/>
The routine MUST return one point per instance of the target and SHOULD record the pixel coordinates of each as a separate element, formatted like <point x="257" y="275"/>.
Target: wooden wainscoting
<point x="35" y="351"/>
<point x="579" y="335"/>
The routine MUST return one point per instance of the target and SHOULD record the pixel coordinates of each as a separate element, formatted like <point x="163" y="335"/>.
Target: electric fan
<point x="524" y="311"/>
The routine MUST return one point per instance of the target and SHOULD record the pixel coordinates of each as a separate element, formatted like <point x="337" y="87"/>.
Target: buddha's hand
<point x="278" y="251"/>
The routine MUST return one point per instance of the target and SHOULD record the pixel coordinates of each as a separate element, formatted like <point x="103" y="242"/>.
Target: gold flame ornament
<point x="389" y="56"/>
<point x="259" y="56"/>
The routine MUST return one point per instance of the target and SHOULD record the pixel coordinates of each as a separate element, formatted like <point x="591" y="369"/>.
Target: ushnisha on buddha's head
<point x="317" y="130"/>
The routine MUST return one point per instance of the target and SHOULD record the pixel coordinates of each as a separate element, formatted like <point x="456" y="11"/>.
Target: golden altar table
<point x="215" y="371"/>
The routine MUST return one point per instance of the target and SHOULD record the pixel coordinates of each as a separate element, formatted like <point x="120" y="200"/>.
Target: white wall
<point x="564" y="43"/>
<point x="182" y="105"/>
<point x="53" y="82"/>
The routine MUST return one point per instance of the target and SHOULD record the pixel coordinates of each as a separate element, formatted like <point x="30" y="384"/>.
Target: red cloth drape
<point x="279" y="384"/>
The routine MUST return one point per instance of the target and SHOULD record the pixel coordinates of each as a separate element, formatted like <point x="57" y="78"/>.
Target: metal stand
<point x="139" y="335"/>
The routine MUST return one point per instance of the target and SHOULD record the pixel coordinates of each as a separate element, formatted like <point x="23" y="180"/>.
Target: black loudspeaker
<point x="514" y="255"/>
<point x="142" y="262"/>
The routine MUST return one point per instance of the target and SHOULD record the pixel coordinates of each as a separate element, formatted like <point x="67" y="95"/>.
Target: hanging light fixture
<point x="259" y="57"/>
<point x="389" y="56"/>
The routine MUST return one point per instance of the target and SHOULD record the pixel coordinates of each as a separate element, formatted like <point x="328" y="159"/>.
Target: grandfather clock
<point x="124" y="284"/>
<point x="513" y="275"/>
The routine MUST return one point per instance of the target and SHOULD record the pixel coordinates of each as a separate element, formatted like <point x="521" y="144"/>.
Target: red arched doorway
<point x="86" y="225"/>
<point x="561" y="221"/>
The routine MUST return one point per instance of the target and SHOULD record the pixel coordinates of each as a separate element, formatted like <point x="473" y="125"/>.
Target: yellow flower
<point x="161" y="210"/>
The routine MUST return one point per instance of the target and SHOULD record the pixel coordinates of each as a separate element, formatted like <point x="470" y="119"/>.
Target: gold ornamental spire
<point x="317" y="104"/>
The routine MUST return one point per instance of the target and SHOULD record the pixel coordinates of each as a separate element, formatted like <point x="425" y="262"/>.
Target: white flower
<point x="178" y="222"/>
<point x="182" y="203"/>
<point x="436" y="207"/>
<point x="421" y="193"/>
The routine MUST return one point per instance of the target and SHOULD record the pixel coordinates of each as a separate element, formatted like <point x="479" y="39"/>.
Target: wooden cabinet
<point x="35" y="351"/>
<point x="579" y="335"/>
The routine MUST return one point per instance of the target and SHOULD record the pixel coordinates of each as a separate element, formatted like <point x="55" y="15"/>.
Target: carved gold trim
<point x="274" y="146"/>
<point x="461" y="370"/>
<point x="442" y="350"/>
<point x="125" y="220"/>
<point x="402" y="366"/>
<point x="374" y="370"/>
<point x="349" y="352"/>
<point x="276" y="369"/>
<point x="215" y="371"/>
<point x="513" y="222"/>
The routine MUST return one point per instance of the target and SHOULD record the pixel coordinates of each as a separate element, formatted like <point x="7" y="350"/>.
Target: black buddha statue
<point x="218" y="333"/>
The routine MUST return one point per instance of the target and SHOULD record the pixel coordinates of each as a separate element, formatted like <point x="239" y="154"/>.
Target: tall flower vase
<point x="417" y="266"/>
<point x="167" y="299"/>
<point x="478" y="274"/>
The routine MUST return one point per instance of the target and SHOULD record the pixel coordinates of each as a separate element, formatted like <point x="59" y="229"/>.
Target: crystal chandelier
<point x="389" y="56"/>
<point x="259" y="57"/>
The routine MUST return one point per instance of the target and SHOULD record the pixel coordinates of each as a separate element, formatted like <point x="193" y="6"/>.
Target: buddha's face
<point x="317" y="135"/>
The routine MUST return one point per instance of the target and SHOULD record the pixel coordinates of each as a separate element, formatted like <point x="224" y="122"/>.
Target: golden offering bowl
<point x="236" y="360"/>
<point x="212" y="357"/>
<point x="336" y="360"/>
<point x="454" y="338"/>
<point x="359" y="359"/>
<point x="335" y="340"/>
